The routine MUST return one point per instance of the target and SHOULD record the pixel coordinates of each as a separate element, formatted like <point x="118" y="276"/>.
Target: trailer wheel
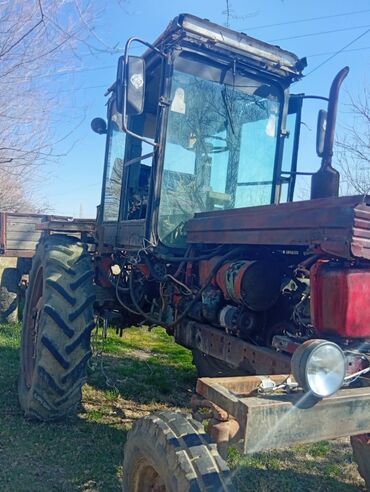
<point x="9" y="295"/>
<point x="208" y="366"/>
<point x="170" y="452"/>
<point x="57" y="323"/>
<point x="361" y="455"/>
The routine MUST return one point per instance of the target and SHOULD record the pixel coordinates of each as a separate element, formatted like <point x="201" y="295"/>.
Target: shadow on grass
<point x="84" y="453"/>
<point x="249" y="478"/>
<point x="35" y="457"/>
<point x="153" y="380"/>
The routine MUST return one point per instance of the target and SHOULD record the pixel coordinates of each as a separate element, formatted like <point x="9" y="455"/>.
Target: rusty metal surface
<point x="280" y="420"/>
<point x="239" y="386"/>
<point x="336" y="226"/>
<point x="263" y="56"/>
<point x="235" y="351"/>
<point x="360" y="244"/>
<point x="226" y="392"/>
<point x="131" y="233"/>
<point x="20" y="232"/>
<point x="284" y="343"/>
<point x="223" y="432"/>
<point x="76" y="225"/>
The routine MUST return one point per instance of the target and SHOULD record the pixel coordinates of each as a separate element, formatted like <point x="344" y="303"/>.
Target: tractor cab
<point x="197" y="124"/>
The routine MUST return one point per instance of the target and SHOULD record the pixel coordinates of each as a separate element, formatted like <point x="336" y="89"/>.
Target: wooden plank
<point x="27" y="227"/>
<point x="18" y="253"/>
<point x="14" y="221"/>
<point x="21" y="245"/>
<point x="14" y="235"/>
<point x="67" y="226"/>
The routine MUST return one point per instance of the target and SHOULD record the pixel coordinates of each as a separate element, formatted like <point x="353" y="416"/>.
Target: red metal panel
<point x="340" y="300"/>
<point x="337" y="226"/>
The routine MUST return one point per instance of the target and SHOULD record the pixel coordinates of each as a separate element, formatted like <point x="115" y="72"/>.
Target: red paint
<point x="205" y="268"/>
<point x="229" y="278"/>
<point x="144" y="269"/>
<point x="340" y="300"/>
<point x="102" y="272"/>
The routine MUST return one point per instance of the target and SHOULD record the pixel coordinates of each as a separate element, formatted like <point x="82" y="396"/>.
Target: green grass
<point x="137" y="374"/>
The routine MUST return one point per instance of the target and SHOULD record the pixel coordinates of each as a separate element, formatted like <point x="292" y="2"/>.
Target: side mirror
<point x="98" y="125"/>
<point x="321" y="131"/>
<point x="130" y="85"/>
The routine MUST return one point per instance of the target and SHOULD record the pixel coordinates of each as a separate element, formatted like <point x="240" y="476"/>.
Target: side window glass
<point x="138" y="188"/>
<point x="113" y="181"/>
<point x="289" y="164"/>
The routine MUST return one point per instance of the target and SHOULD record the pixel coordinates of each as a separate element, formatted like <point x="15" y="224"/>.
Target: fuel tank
<point x="340" y="300"/>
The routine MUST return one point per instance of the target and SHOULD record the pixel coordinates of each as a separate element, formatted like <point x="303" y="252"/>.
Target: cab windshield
<point x="220" y="147"/>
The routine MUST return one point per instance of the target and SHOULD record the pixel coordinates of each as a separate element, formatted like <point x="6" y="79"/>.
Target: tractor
<point x="198" y="231"/>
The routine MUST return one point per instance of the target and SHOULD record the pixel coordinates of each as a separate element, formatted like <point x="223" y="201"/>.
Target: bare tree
<point x="38" y="38"/>
<point x="353" y="149"/>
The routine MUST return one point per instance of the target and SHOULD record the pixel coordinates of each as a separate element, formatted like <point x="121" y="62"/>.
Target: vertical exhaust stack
<point x="325" y="182"/>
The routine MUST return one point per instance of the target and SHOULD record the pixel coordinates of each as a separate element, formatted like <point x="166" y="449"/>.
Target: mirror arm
<point x="124" y="110"/>
<point x="321" y="98"/>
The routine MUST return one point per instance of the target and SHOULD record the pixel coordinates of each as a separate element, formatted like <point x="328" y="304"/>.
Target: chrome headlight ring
<point x="319" y="367"/>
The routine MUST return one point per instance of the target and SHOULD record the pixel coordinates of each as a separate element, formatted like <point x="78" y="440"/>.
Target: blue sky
<point x="73" y="185"/>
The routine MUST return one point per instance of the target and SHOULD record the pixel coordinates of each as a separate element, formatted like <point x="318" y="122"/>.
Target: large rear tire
<point x="57" y="324"/>
<point x="170" y="452"/>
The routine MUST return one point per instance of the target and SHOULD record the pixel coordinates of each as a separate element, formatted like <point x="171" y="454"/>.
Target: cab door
<point x="139" y="166"/>
<point x="109" y="210"/>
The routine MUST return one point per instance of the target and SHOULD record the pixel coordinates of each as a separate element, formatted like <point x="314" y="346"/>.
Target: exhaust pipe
<point x="325" y="182"/>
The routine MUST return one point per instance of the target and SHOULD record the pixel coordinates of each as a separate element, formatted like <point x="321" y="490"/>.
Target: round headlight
<point x="319" y="366"/>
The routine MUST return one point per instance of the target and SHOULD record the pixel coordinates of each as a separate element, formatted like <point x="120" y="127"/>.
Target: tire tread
<point x="63" y="341"/>
<point x="192" y="463"/>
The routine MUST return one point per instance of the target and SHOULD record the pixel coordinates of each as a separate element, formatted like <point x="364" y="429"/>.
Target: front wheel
<point x="170" y="452"/>
<point x="361" y="455"/>
<point x="57" y="323"/>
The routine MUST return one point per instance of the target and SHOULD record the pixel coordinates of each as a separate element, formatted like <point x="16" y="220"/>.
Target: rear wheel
<point x="57" y="323"/>
<point x="170" y="452"/>
<point x="361" y="455"/>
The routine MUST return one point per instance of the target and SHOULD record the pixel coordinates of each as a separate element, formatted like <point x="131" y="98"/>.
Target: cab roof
<point x="187" y="28"/>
